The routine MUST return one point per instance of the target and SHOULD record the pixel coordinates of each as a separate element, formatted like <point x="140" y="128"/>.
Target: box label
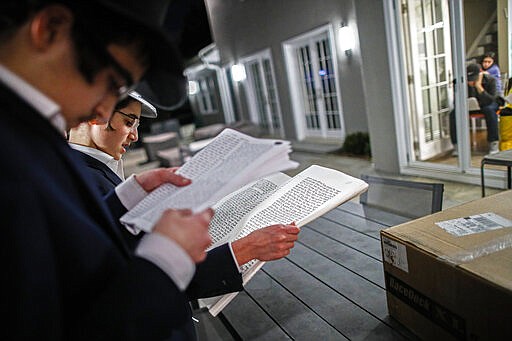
<point x="474" y="224"/>
<point x="432" y="310"/>
<point x="395" y="254"/>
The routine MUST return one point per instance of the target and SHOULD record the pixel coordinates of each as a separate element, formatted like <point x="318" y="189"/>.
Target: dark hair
<point x="124" y="103"/>
<point x="93" y="30"/>
<point x="120" y="105"/>
<point x="14" y="13"/>
<point x="491" y="55"/>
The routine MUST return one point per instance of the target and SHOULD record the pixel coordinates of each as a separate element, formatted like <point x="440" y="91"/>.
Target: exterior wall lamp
<point x="238" y="73"/>
<point x="346" y="39"/>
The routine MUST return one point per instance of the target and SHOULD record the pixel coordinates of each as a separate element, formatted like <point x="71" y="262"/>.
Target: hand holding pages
<point x="229" y="162"/>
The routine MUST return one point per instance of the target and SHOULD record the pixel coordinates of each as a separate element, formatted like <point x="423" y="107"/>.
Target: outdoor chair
<point x="208" y="131"/>
<point x="475" y="114"/>
<point x="154" y="143"/>
<point x="165" y="126"/>
<point x="410" y="199"/>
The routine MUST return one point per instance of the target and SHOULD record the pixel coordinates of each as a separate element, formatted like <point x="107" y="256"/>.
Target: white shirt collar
<point x="115" y="165"/>
<point x="40" y="102"/>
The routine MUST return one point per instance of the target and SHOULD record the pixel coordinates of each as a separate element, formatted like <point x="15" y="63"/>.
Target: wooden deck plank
<point x="331" y="287"/>
<point x="365" y="294"/>
<point x="348" y="318"/>
<point x="292" y="315"/>
<point x="373" y="214"/>
<point x="355" y="222"/>
<point x="362" y="292"/>
<point x="250" y="321"/>
<point x="349" y="237"/>
<point x="345" y="256"/>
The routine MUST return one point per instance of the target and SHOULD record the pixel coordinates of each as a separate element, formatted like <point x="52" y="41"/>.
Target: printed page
<point x="229" y="162"/>
<point x="308" y="195"/>
<point x="234" y="207"/>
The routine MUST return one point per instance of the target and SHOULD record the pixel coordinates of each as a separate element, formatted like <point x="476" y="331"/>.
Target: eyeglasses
<point x="132" y="123"/>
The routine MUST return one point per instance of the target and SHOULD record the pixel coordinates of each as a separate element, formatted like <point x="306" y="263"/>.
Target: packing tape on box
<point x="484" y="249"/>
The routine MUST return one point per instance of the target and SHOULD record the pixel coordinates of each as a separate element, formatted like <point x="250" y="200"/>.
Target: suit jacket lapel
<point x="95" y="163"/>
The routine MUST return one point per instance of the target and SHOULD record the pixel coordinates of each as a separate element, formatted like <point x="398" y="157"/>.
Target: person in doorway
<point x="70" y="275"/>
<point x="490" y="66"/>
<point x="482" y="86"/>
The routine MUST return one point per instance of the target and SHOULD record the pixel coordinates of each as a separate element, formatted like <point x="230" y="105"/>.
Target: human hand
<point x="189" y="230"/>
<point x="151" y="179"/>
<point x="478" y="81"/>
<point x="269" y="243"/>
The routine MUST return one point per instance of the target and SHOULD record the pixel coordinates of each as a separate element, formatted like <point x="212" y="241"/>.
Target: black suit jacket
<point x="67" y="272"/>
<point x="104" y="178"/>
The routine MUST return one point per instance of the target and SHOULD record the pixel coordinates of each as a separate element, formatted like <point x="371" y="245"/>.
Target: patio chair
<point x="154" y="143"/>
<point x="165" y="126"/>
<point x="410" y="199"/>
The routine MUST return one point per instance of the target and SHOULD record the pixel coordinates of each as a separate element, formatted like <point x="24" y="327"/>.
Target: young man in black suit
<point x="67" y="272"/>
<point x="102" y="147"/>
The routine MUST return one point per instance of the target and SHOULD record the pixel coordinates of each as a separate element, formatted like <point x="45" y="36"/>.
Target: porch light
<point x="193" y="88"/>
<point x="238" y="73"/>
<point x="346" y="39"/>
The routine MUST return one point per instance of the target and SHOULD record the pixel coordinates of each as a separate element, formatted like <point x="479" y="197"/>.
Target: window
<point x="206" y="97"/>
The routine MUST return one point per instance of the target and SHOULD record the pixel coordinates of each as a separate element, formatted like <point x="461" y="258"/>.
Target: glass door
<point x="432" y="42"/>
<point x="426" y="35"/>
<point x="262" y="93"/>
<point x="321" y="112"/>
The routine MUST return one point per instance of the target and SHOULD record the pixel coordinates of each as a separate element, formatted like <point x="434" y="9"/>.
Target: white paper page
<point x="234" y="207"/>
<point x="218" y="169"/>
<point x="306" y="196"/>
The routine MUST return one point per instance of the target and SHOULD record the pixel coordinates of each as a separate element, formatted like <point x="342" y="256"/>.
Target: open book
<point x="228" y="162"/>
<point x="277" y="199"/>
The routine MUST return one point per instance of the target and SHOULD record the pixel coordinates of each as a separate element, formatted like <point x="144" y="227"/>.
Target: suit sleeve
<point x="217" y="275"/>
<point x="115" y="298"/>
<point x="115" y="205"/>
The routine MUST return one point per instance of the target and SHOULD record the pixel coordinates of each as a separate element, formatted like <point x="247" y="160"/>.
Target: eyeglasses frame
<point x="136" y="120"/>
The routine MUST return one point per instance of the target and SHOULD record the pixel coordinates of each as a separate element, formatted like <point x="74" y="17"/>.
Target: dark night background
<point x="187" y="23"/>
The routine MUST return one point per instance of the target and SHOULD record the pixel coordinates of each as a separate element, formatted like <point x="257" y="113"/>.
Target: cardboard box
<point x="451" y="285"/>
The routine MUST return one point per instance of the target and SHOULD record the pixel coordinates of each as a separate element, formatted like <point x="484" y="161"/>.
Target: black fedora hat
<point x="164" y="84"/>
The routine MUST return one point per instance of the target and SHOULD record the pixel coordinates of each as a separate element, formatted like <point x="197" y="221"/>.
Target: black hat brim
<point x="164" y="84"/>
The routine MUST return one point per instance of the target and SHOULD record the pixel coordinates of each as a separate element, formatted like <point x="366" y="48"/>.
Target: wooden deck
<point x="331" y="287"/>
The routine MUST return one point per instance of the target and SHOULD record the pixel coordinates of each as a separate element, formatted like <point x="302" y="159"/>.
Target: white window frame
<point x="206" y="99"/>
<point x="253" y="105"/>
<point x="294" y="83"/>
